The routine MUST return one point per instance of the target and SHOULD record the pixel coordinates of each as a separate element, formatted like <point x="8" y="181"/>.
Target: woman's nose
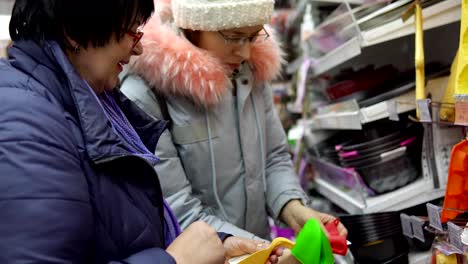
<point x="243" y="51"/>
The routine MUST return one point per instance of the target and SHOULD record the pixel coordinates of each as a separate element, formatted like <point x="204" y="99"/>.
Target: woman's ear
<point x="72" y="46"/>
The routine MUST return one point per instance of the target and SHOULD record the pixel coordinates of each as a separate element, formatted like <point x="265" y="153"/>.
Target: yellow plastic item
<point x="448" y="114"/>
<point x="262" y="255"/>
<point x="419" y="65"/>
<point x="461" y="84"/>
<point x="419" y="53"/>
<point x="442" y="259"/>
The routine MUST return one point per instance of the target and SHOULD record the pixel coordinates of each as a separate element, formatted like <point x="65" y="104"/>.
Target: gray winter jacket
<point x="225" y="155"/>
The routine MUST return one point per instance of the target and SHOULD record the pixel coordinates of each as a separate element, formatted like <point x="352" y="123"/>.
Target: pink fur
<point x="175" y="67"/>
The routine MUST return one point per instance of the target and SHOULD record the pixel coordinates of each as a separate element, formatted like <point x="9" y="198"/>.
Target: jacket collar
<point x="48" y="65"/>
<point x="175" y="67"/>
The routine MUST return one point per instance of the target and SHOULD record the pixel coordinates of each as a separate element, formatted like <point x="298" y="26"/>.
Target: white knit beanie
<point x="214" y="15"/>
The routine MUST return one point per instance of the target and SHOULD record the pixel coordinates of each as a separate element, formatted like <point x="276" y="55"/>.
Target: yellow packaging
<point x="443" y="259"/>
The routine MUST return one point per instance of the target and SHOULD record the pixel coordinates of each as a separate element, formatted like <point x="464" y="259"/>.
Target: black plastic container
<point x="376" y="238"/>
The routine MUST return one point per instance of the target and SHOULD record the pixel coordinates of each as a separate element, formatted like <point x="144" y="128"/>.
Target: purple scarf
<point x="134" y="145"/>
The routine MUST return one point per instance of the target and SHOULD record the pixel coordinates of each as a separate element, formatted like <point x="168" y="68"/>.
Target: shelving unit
<point x="345" y="52"/>
<point x="352" y="2"/>
<point x="440" y="14"/>
<point x="383" y="39"/>
<point x="415" y="193"/>
<point x="404" y="103"/>
<point x="355" y="119"/>
<point x="437" y="15"/>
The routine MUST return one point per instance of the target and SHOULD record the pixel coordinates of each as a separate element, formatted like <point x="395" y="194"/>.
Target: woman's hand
<point x="326" y="218"/>
<point x="296" y="215"/>
<point x="238" y="246"/>
<point x="198" y="244"/>
<point x="288" y="258"/>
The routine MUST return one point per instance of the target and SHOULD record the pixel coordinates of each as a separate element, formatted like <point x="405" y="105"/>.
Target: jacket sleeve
<point x="148" y="256"/>
<point x="282" y="182"/>
<point x="46" y="216"/>
<point x="176" y="187"/>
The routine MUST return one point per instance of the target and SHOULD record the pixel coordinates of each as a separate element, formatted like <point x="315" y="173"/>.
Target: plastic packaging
<point x="461" y="84"/>
<point x="338" y="243"/>
<point x="376" y="238"/>
<point x="312" y="245"/>
<point x="456" y="194"/>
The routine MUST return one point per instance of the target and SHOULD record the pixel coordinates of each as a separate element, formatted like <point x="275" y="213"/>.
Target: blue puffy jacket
<point x="69" y="192"/>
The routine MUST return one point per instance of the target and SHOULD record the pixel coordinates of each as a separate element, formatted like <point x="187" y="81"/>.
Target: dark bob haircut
<point x="88" y="22"/>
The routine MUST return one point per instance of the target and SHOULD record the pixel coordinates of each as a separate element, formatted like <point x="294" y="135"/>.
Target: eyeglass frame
<point x="242" y="40"/>
<point x="137" y="36"/>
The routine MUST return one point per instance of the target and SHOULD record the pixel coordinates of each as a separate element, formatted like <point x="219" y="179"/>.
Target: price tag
<point x="455" y="235"/>
<point x="434" y="216"/>
<point x="424" y="110"/>
<point x="418" y="228"/>
<point x="406" y="225"/>
<point x="461" y="113"/>
<point x="392" y="110"/>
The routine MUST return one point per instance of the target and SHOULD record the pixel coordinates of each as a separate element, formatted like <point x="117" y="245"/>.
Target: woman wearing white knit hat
<point x="224" y="159"/>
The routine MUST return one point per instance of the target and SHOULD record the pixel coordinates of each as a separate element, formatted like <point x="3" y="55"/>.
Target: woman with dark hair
<point x="77" y="183"/>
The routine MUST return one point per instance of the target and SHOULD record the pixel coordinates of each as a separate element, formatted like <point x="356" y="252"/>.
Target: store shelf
<point x="352" y="2"/>
<point x="350" y="120"/>
<point x="345" y="52"/>
<point x="404" y="103"/>
<point x="355" y="118"/>
<point x="415" y="193"/>
<point x="419" y="257"/>
<point x="437" y="15"/>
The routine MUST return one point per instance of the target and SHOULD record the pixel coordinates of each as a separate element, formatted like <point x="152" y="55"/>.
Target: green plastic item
<point x="312" y="245"/>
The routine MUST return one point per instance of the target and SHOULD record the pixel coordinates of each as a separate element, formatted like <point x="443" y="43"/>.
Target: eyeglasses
<point x="228" y="40"/>
<point x="136" y="36"/>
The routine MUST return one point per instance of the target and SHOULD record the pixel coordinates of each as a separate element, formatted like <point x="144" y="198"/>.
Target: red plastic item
<point x="338" y="243"/>
<point x="456" y="194"/>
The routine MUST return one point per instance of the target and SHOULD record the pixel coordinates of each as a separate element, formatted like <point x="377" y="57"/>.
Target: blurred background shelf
<point x="352" y="2"/>
<point x="415" y="193"/>
<point x="345" y="52"/>
<point x="437" y="15"/>
<point x="355" y="118"/>
<point x="404" y="103"/>
<point x="6" y="6"/>
<point x="4" y="23"/>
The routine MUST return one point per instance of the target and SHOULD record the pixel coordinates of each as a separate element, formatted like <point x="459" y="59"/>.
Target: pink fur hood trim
<point x="175" y="67"/>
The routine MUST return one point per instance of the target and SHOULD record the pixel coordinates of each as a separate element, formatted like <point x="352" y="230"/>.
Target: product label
<point x="424" y="110"/>
<point x="455" y="235"/>
<point x="392" y="110"/>
<point x="434" y="216"/>
<point x="461" y="113"/>
<point x="406" y="225"/>
<point x="418" y="228"/>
